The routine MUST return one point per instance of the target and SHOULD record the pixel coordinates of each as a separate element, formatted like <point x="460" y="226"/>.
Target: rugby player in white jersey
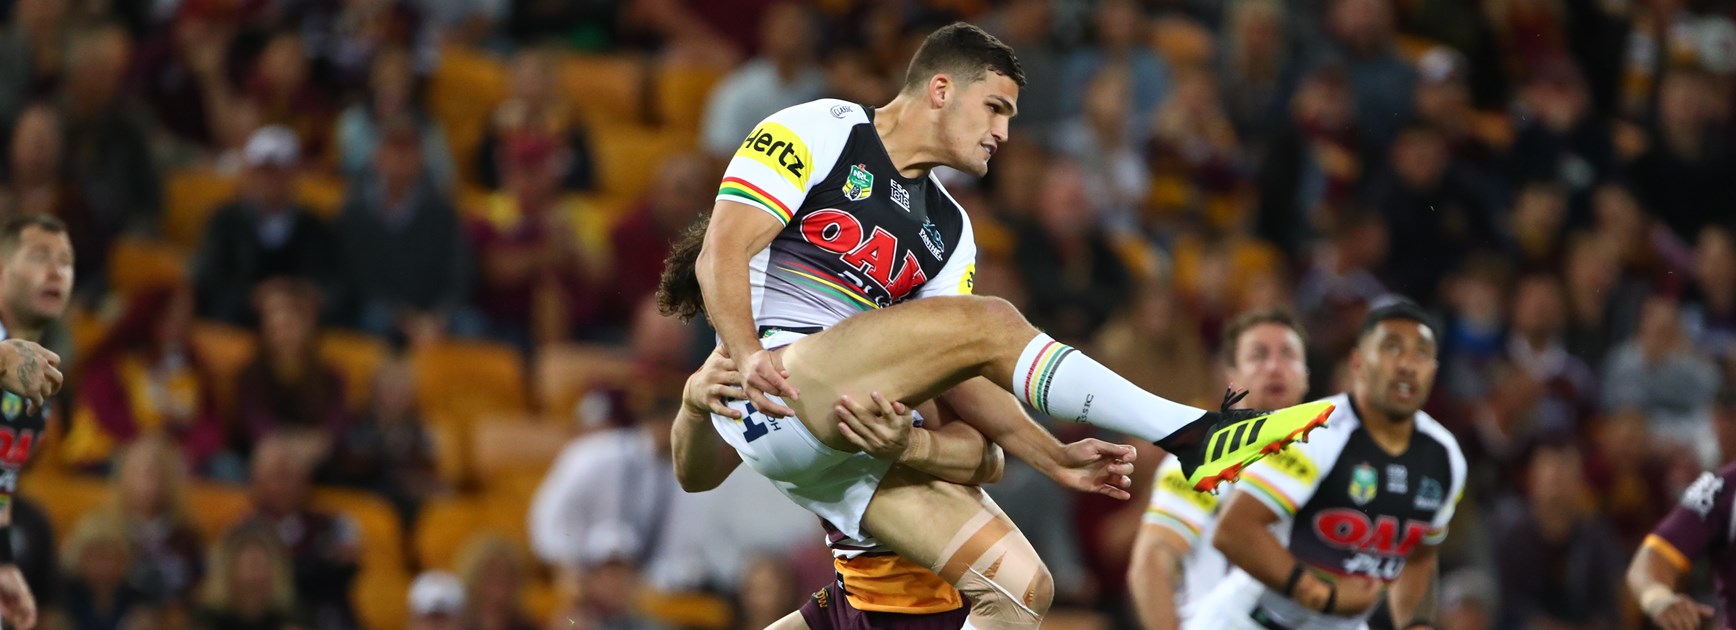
<point x="832" y="252"/>
<point x="1172" y="569"/>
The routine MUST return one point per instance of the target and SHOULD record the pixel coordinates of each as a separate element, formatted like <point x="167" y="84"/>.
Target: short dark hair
<point x="965" y="51"/>
<point x="1396" y="308"/>
<point x="12" y="229"/>
<point x="1247" y="320"/>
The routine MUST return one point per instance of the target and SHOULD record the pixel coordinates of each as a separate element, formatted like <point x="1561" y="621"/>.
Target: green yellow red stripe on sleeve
<point x="1272" y="492"/>
<point x="741" y="189"/>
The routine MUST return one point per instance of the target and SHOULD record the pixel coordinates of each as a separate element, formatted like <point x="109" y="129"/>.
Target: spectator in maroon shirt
<point x="282" y="89"/>
<point x="642" y="240"/>
<point x="182" y="73"/>
<point x="288" y="387"/>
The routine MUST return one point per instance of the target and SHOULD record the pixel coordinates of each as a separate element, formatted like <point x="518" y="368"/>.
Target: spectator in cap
<point x="262" y="234"/>
<point x="436" y="602"/>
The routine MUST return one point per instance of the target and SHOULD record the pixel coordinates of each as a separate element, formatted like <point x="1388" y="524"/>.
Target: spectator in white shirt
<point x="786" y="72"/>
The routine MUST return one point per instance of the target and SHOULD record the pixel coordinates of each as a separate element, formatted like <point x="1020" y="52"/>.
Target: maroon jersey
<point x="1701" y="526"/>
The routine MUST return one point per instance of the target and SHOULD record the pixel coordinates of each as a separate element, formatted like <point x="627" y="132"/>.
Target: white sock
<point x="1062" y="382"/>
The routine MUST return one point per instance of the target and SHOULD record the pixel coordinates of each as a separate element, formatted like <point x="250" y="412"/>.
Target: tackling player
<point x="35" y="288"/>
<point x="1700" y="527"/>
<point x="826" y="219"/>
<point x="1358" y="508"/>
<point x="1263" y="351"/>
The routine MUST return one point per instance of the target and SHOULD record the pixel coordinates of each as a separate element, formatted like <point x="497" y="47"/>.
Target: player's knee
<point x="1014" y="591"/>
<point x="1042" y="592"/>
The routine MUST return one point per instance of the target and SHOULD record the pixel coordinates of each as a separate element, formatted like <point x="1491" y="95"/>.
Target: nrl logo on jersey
<point x="860" y="184"/>
<point x="1363" y="484"/>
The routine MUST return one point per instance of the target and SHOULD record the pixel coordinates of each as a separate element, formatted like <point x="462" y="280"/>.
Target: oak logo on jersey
<point x="1353" y="530"/>
<point x="1363" y="482"/>
<point x="874" y="254"/>
<point x="781" y="150"/>
<point x="860" y="184"/>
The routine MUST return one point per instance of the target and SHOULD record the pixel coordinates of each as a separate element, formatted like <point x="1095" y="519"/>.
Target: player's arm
<point x="1245" y="537"/>
<point x="1086" y="466"/>
<point x="883" y="428"/>
<point x="1415" y="595"/>
<point x="1656" y="569"/>
<point x="702" y="459"/>
<point x="1154" y="575"/>
<point x="736" y="233"/>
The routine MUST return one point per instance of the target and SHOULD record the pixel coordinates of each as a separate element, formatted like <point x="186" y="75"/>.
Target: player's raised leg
<point x="959" y="534"/>
<point x="915" y="351"/>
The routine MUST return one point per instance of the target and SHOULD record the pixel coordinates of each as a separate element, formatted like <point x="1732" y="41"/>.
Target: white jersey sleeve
<point x="1286" y="480"/>
<point x="786" y="154"/>
<point x="1176" y="506"/>
<point x="1437" y="533"/>
<point x="958" y="276"/>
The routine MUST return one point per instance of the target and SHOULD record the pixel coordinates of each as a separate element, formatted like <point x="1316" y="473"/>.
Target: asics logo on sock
<point x="1229" y="439"/>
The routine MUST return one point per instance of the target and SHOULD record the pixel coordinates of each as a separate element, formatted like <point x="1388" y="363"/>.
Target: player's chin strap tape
<point x="6" y="545"/>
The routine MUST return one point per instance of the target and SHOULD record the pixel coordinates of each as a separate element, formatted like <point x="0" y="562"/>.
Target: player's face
<point x="1394" y="367"/>
<point x="1271" y="365"/>
<point x="38" y="274"/>
<point x="974" y="121"/>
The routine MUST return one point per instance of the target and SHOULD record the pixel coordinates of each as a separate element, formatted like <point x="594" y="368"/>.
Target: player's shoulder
<point x="1432" y="429"/>
<point x="819" y="119"/>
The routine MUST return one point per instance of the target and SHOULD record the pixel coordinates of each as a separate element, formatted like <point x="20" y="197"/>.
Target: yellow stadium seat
<point x="380" y="587"/>
<point x="87" y="329"/>
<point x="442" y="527"/>
<point x="381" y="599"/>
<point x="464" y="379"/>
<point x="508" y="443"/>
<point x="608" y="90"/>
<point x="688" y="610"/>
<point x="191" y="197"/>
<point x="451" y="447"/>
<point x="627" y="156"/>
<point x="462" y="96"/>
<point x="217" y="507"/>
<point x="358" y="358"/>
<point x="136" y="263"/>
<point x="566" y="372"/>
<point x="64" y="497"/>
<point x="682" y="93"/>
<point x="541" y="600"/>
<point x="225" y="349"/>
<point x="323" y="194"/>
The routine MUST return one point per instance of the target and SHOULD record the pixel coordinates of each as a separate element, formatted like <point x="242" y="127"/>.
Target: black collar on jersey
<point x="1362" y="425"/>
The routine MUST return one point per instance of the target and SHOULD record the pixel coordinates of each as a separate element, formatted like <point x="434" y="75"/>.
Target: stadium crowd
<point x="364" y="332"/>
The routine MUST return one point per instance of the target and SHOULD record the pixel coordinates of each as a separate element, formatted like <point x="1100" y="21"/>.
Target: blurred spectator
<point x="96" y="557"/>
<point x="182" y="73"/>
<point x="1313" y="163"/>
<point x="611" y="495"/>
<point x="1363" y="36"/>
<point x="1156" y="345"/>
<point x="1076" y="278"/>
<point x="1436" y="210"/>
<point x="148" y="500"/>
<point x="537" y="272"/>
<point x="1194" y="146"/>
<point x="1475" y="297"/>
<point x="639" y="243"/>
<point x="145" y="379"/>
<point x="783" y="74"/>
<point x="1556" y="136"/>
<point x="392" y="93"/>
<point x="1664" y="34"/>
<point x="1537" y="351"/>
<point x="1711" y="302"/>
<point x="390" y="451"/>
<point x="494" y="576"/>
<point x="473" y="23"/>
<point x="1028" y="26"/>
<point x="1683" y="177"/>
<point x="1252" y="70"/>
<point x="322" y="546"/>
<point x="265" y="233"/>
<point x="1111" y="160"/>
<point x="288" y="387"/>
<point x="1661" y="373"/>
<point x="536" y="110"/>
<point x="249" y="585"/>
<point x="36" y="182"/>
<point x="1594" y="297"/>
<point x="436" y="602"/>
<point x="1628" y="477"/>
<point x="1529" y="33"/>
<point x="1467" y="601"/>
<point x="32" y="48"/>
<point x="1336" y="290"/>
<point x="767" y="593"/>
<point x="612" y="578"/>
<point x="342" y="38"/>
<point x="106" y="150"/>
<point x="1442" y="96"/>
<point x="1537" y="224"/>
<point x="1558" y="562"/>
<point x="281" y="87"/>
<point x="402" y="249"/>
<point x="1119" y="28"/>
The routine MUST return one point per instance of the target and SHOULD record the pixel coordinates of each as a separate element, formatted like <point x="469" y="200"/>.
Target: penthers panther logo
<point x="875" y="254"/>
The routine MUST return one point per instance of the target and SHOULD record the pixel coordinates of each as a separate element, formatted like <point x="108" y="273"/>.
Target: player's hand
<point x="17" y="605"/>
<point x="882" y="428"/>
<point x="1356" y="595"/>
<point x="714" y="383"/>
<point x="763" y="373"/>
<point x="29" y="370"/>
<point x="1097" y="467"/>
<point x="1678" y="612"/>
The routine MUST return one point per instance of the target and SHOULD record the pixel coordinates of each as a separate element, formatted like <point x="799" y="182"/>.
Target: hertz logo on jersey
<point x="778" y="148"/>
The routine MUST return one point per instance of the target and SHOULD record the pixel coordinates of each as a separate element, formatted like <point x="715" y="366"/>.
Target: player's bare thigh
<point x="911" y="352"/>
